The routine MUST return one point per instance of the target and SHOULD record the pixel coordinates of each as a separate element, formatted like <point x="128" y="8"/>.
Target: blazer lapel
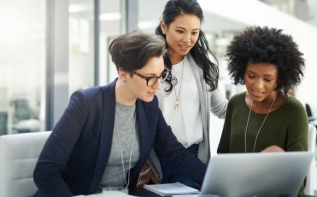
<point x="105" y="136"/>
<point x="143" y="128"/>
<point x="145" y="144"/>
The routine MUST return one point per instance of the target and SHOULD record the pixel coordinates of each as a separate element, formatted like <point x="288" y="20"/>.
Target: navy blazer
<point x="75" y="155"/>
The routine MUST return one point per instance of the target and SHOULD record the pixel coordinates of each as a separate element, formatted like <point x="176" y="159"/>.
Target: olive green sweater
<point x="286" y="127"/>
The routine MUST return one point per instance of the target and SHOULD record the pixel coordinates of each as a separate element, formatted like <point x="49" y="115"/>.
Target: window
<point x="22" y="65"/>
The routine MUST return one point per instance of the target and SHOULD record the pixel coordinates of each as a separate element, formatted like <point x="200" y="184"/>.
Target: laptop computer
<point x="256" y="174"/>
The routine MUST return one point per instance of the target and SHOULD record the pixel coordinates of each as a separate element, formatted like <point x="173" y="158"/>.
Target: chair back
<point x="18" y="156"/>
<point x="309" y="189"/>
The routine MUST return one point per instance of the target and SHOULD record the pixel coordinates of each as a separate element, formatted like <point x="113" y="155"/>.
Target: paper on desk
<point x="168" y="189"/>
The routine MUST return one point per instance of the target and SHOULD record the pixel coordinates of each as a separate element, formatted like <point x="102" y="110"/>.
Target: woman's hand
<point x="273" y="148"/>
<point x="147" y="176"/>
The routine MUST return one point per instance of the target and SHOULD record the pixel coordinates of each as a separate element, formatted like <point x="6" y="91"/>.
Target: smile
<point x="256" y="93"/>
<point x="184" y="47"/>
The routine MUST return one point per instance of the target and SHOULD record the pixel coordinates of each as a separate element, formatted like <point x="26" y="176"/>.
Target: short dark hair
<point x="266" y="45"/>
<point x="131" y="51"/>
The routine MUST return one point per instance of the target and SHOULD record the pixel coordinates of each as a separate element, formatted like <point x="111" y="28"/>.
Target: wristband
<point x="145" y="172"/>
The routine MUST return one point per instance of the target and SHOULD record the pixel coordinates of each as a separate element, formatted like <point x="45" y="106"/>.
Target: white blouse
<point x="185" y="120"/>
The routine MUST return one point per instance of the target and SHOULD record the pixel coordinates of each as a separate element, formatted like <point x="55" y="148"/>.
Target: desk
<point x="141" y="192"/>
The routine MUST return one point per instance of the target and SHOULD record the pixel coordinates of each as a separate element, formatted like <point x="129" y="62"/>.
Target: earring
<point x="163" y="31"/>
<point x="163" y="28"/>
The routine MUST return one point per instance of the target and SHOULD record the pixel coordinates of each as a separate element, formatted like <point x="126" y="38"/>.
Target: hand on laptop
<point x="272" y="148"/>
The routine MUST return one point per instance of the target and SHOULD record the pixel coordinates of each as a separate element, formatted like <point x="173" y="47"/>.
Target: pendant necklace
<point x="177" y="96"/>
<point x="126" y="179"/>
<point x="246" y="127"/>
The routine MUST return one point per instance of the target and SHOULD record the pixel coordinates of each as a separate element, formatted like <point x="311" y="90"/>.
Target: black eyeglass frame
<point x="163" y="77"/>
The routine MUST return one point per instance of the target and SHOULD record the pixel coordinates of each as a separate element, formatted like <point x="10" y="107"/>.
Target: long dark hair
<point x="199" y="52"/>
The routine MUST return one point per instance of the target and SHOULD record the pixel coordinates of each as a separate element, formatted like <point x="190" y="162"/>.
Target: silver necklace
<point x="127" y="180"/>
<point x="246" y="127"/>
<point x="177" y="96"/>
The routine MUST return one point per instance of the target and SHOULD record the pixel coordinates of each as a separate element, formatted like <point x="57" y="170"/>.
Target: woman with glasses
<point x="106" y="133"/>
<point x="187" y="98"/>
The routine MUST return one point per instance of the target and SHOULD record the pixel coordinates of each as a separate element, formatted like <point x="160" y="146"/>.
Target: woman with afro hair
<point x="269" y="64"/>
<point x="264" y="117"/>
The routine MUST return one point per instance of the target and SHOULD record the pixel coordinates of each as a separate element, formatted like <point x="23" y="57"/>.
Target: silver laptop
<point x="256" y="174"/>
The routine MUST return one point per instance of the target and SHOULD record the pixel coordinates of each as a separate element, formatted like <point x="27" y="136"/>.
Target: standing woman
<point x="106" y="133"/>
<point x="187" y="98"/>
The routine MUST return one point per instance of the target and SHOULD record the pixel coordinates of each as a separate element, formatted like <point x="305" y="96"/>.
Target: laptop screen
<point x="256" y="174"/>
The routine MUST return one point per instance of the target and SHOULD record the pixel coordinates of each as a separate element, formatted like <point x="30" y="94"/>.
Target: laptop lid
<point x="256" y="174"/>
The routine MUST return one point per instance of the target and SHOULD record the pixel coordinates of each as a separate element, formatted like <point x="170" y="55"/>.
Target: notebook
<point x="256" y="174"/>
<point x="169" y="189"/>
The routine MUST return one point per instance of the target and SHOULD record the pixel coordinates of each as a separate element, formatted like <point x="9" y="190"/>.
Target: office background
<point x="50" y="48"/>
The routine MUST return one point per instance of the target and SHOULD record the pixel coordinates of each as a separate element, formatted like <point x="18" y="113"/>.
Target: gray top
<point x="124" y="136"/>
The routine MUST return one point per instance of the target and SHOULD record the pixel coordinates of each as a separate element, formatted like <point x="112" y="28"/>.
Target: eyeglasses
<point x="150" y="81"/>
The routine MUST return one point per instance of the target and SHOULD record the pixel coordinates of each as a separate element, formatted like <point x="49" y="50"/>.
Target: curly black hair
<point x="266" y="45"/>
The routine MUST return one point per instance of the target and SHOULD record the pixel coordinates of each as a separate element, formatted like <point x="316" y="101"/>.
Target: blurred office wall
<point x="51" y="48"/>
